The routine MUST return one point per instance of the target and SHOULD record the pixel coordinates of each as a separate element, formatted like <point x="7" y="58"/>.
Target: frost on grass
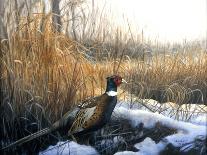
<point x="188" y="135"/>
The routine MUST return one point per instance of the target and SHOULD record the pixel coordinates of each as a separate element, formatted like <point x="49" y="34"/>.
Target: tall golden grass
<point x="46" y="69"/>
<point x="44" y="74"/>
<point x="49" y="69"/>
<point x="179" y="78"/>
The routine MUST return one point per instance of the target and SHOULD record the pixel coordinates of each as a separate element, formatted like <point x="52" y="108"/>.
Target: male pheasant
<point x="92" y="114"/>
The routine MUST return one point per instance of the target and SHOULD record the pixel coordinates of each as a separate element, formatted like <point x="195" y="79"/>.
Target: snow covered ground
<point x="69" y="148"/>
<point x="193" y="113"/>
<point x="187" y="132"/>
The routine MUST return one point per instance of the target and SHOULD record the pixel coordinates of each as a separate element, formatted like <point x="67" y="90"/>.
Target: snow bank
<point x="185" y="112"/>
<point x="187" y="132"/>
<point x="149" y="119"/>
<point x="69" y="147"/>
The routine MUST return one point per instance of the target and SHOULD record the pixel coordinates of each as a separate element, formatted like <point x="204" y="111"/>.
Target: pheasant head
<point x="112" y="83"/>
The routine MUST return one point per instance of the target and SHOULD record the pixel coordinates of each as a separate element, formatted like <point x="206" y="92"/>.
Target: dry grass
<point x="44" y="74"/>
<point x="180" y="78"/>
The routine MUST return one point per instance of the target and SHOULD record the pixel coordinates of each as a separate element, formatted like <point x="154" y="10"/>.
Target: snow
<point x="148" y="147"/>
<point x="127" y="153"/>
<point x="187" y="132"/>
<point x="192" y="113"/>
<point x="69" y="147"/>
<point x="200" y="120"/>
<point x="150" y="119"/>
<point x="185" y="112"/>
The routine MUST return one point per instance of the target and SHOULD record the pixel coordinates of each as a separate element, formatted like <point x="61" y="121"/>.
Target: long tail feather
<point x="29" y="138"/>
<point x="66" y="121"/>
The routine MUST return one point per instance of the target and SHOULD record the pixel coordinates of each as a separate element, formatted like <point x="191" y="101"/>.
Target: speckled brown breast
<point x="95" y="118"/>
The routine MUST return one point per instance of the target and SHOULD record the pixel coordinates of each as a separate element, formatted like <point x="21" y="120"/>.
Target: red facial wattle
<point x="118" y="81"/>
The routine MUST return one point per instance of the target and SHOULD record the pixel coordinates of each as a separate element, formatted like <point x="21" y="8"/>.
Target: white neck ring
<point x="111" y="93"/>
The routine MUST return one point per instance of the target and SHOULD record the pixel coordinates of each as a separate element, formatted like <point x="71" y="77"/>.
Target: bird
<point x="90" y="115"/>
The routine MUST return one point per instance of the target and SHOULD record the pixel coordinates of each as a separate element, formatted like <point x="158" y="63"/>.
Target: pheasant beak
<point x="123" y="81"/>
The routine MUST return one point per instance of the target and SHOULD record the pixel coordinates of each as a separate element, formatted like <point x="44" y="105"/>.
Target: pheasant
<point x="92" y="114"/>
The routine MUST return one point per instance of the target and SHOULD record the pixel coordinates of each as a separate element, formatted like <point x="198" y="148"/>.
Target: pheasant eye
<point x="117" y="80"/>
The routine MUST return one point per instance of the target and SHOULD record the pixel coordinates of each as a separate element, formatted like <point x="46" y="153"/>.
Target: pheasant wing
<point x="82" y="116"/>
<point x="90" y="113"/>
<point x="90" y="102"/>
